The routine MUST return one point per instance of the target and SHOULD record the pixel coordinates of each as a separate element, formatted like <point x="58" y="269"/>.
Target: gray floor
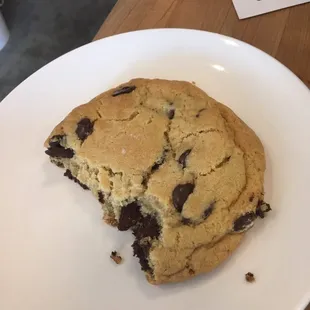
<point x="42" y="30"/>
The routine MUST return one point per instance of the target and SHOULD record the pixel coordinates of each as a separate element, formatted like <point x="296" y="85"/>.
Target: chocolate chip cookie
<point x="168" y="162"/>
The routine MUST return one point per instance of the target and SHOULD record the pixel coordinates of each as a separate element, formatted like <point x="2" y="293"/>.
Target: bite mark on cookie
<point x="145" y="228"/>
<point x="129" y="217"/>
<point x="57" y="150"/>
<point x="69" y="175"/>
<point x="141" y="250"/>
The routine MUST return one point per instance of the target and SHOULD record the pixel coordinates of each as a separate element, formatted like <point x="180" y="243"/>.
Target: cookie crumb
<point x="249" y="277"/>
<point x="116" y="257"/>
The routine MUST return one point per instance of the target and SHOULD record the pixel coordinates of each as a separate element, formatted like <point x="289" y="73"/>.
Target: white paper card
<point x="248" y="8"/>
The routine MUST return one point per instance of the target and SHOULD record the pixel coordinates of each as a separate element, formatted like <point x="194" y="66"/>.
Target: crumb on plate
<point x="116" y="257"/>
<point x="249" y="277"/>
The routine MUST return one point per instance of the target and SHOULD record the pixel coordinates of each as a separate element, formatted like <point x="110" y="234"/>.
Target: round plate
<point x="55" y="247"/>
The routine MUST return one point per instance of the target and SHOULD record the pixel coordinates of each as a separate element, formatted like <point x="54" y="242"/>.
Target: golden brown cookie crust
<point x="155" y="142"/>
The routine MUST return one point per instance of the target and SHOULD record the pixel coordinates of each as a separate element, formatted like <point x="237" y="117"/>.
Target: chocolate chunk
<point x="262" y="208"/>
<point x="123" y="90"/>
<point x="147" y="227"/>
<point x="209" y="210"/>
<point x="251" y="197"/>
<point x="249" y="277"/>
<point x="180" y="195"/>
<point x="130" y="216"/>
<point x="56" y="150"/>
<point x="141" y="250"/>
<point x="101" y="197"/>
<point x="244" y="222"/>
<point x="116" y="257"/>
<point x="170" y="114"/>
<point x="85" y="127"/>
<point x="183" y="157"/>
<point x="71" y="177"/>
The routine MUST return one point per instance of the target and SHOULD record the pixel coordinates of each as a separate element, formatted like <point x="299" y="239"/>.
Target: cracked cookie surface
<point x="167" y="161"/>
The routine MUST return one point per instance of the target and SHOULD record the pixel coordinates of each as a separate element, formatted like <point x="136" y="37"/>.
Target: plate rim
<point x="166" y="30"/>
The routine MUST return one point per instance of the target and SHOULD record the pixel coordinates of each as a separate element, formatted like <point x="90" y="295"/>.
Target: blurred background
<point x="42" y="30"/>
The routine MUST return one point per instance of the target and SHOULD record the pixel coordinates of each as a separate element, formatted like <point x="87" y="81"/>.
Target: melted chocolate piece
<point x="170" y="114"/>
<point x="209" y="210"/>
<point x="183" y="157"/>
<point x="251" y="197"/>
<point x="244" y="222"/>
<point x="71" y="177"/>
<point x="123" y="90"/>
<point x="101" y="197"/>
<point x="141" y="250"/>
<point x="147" y="227"/>
<point x="130" y="216"/>
<point x="85" y="127"/>
<point x="186" y="221"/>
<point x="143" y="228"/>
<point x="180" y="195"/>
<point x="262" y="208"/>
<point x="56" y="150"/>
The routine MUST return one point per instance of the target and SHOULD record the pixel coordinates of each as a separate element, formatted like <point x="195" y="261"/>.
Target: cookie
<point x="169" y="163"/>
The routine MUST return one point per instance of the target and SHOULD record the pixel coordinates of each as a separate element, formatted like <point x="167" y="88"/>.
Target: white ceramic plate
<point x="54" y="247"/>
